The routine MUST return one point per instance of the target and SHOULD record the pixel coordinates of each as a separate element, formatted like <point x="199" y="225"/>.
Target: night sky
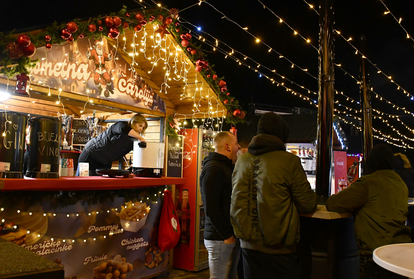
<point x="386" y="45"/>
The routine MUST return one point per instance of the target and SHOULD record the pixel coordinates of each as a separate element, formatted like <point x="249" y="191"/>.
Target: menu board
<point x="175" y="157"/>
<point x="80" y="132"/>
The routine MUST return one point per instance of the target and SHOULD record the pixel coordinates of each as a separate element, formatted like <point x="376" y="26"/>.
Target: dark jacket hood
<point x="261" y="144"/>
<point x="381" y="157"/>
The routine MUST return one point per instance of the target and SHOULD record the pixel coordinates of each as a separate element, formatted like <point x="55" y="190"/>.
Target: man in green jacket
<point x="270" y="188"/>
<point x="380" y="205"/>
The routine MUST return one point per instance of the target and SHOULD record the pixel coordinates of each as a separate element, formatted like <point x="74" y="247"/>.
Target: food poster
<point x="93" y="68"/>
<point x="110" y="240"/>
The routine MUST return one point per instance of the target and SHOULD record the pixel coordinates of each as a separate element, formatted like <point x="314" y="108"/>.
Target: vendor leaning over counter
<point x="113" y="143"/>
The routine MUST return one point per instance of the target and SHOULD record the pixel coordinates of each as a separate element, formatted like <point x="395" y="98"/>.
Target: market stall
<point x="69" y="81"/>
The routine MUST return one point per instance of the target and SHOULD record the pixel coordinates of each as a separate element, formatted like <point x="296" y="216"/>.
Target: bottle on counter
<point x="185" y="217"/>
<point x="352" y="171"/>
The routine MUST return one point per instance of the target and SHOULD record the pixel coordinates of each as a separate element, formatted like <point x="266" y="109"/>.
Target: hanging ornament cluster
<point x="23" y="46"/>
<point x="70" y="28"/>
<point x="185" y="39"/>
<point x="201" y="64"/>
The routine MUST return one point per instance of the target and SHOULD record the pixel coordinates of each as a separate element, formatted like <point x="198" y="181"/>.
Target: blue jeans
<point x="222" y="259"/>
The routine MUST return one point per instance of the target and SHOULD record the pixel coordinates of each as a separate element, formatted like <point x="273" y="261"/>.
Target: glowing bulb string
<point x="383" y="138"/>
<point x="215" y="45"/>
<point x="397" y="20"/>
<point x="396" y="117"/>
<point x="296" y="33"/>
<point x="240" y="61"/>
<point x="312" y="7"/>
<point x="379" y="71"/>
<point x="230" y="54"/>
<point x="363" y="56"/>
<point x="266" y="76"/>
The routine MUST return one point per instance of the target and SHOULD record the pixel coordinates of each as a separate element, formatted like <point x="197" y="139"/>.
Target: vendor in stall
<point x="113" y="143"/>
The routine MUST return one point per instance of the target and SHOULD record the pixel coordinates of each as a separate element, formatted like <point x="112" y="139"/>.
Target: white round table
<point x="398" y="258"/>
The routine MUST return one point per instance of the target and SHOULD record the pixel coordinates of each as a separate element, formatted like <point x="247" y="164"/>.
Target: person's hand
<point x="230" y="240"/>
<point x="141" y="138"/>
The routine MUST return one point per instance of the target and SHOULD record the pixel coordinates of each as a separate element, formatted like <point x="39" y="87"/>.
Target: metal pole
<point x="365" y="106"/>
<point x="325" y="101"/>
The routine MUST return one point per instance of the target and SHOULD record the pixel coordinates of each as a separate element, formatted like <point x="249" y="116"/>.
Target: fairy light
<point x="408" y="36"/>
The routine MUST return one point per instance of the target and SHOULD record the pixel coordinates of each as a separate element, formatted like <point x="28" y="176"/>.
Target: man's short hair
<point x="221" y="139"/>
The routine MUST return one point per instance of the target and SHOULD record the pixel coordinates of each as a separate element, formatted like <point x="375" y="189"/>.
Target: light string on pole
<point x="379" y="71"/>
<point x="229" y="54"/>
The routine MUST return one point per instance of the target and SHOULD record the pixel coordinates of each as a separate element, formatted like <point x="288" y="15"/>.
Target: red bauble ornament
<point x="100" y="28"/>
<point x="223" y="89"/>
<point x="125" y="25"/>
<point x="127" y="14"/>
<point x="236" y="112"/>
<point x="151" y="19"/>
<point x="242" y="115"/>
<point x="222" y="83"/>
<point x="47" y="38"/>
<point x="92" y="28"/>
<point x="225" y="101"/>
<point x="189" y="49"/>
<point x="113" y="33"/>
<point x="81" y="36"/>
<point x="109" y="22"/>
<point x="168" y="20"/>
<point x="137" y="28"/>
<point x="117" y="21"/>
<point x="99" y="22"/>
<point x="198" y="69"/>
<point x="29" y="51"/>
<point x="144" y="22"/>
<point x="177" y="30"/>
<point x="23" y="41"/>
<point x="228" y="94"/>
<point x="48" y="46"/>
<point x="72" y="27"/>
<point x="184" y="43"/>
<point x="15" y="51"/>
<point x="65" y="34"/>
<point x="193" y="51"/>
<point x="160" y="17"/>
<point x="214" y="77"/>
<point x="71" y="39"/>
<point x="139" y="17"/>
<point x="208" y="76"/>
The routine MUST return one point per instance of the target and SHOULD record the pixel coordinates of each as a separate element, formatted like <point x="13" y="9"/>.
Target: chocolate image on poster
<point x="94" y="68"/>
<point x="90" y="241"/>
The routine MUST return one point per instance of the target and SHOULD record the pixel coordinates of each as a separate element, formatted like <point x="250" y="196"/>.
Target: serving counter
<point x="92" y="226"/>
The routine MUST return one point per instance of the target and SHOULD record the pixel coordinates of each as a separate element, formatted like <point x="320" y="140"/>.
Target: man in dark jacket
<point x="379" y="201"/>
<point x="215" y="185"/>
<point x="270" y="188"/>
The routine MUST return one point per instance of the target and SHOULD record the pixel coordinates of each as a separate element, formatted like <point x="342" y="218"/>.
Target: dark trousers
<point x="273" y="266"/>
<point x="368" y="269"/>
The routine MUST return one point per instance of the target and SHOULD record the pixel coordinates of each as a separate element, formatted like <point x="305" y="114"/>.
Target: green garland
<point x="12" y="67"/>
<point x="170" y="131"/>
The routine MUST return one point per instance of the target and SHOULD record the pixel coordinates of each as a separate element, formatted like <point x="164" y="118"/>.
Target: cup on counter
<point x="83" y="169"/>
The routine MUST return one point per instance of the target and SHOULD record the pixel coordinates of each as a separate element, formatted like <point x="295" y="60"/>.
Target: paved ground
<point x="178" y="273"/>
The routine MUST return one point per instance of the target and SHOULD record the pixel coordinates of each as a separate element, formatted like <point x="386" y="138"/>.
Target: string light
<point x="408" y="36"/>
